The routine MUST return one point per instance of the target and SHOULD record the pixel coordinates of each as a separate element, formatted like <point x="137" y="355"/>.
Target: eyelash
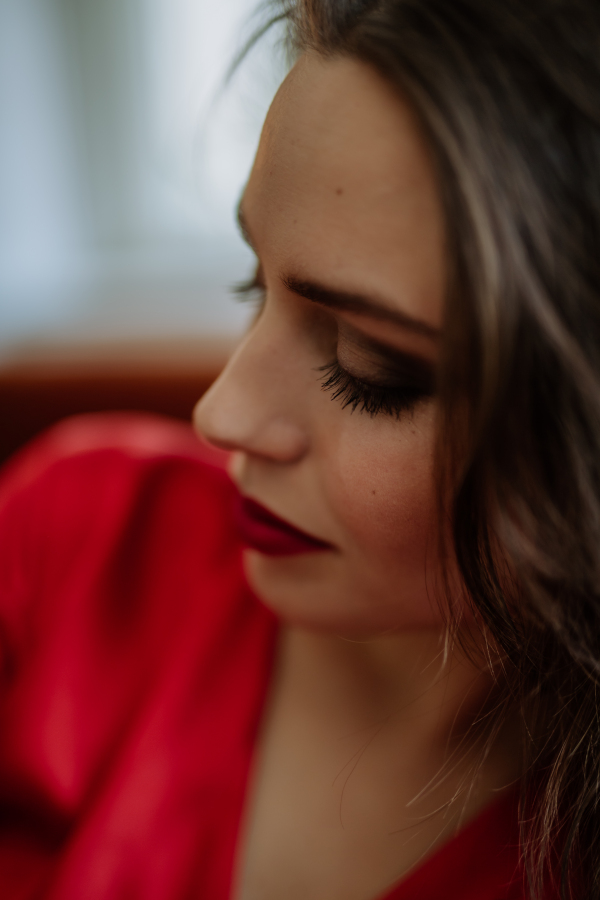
<point x="348" y="389"/>
<point x="373" y="399"/>
<point x="250" y="291"/>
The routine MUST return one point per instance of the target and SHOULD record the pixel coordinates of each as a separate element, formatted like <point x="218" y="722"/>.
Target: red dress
<point x="134" y="666"/>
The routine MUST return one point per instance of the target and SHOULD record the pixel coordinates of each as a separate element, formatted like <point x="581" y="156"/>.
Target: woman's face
<point x="343" y="213"/>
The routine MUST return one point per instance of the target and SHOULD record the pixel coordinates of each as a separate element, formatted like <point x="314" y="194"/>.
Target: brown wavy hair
<point x="508" y="94"/>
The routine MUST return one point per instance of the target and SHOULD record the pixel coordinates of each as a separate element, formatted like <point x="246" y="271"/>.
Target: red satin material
<point x="134" y="671"/>
<point x="135" y="662"/>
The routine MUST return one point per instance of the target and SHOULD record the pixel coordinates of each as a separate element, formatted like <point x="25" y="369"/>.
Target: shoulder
<point x="90" y="443"/>
<point x="123" y="602"/>
<point x="129" y="493"/>
<point x="90" y="463"/>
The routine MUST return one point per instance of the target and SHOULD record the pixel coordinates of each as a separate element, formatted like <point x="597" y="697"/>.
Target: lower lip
<point x="260" y="530"/>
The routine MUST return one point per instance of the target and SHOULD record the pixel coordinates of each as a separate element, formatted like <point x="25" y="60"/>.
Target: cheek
<point x="382" y="490"/>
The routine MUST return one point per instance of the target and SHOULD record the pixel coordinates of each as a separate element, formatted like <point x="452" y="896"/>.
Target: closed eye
<point x="374" y="399"/>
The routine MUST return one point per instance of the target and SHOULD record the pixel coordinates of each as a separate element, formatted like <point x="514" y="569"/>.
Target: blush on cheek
<point x="383" y="494"/>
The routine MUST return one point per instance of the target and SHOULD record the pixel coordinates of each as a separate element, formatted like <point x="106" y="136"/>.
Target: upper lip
<point x="262" y="513"/>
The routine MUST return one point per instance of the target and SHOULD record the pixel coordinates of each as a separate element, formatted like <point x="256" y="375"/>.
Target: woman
<point x="413" y="430"/>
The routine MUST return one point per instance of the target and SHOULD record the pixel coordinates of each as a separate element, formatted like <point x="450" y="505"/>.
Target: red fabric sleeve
<point x="134" y="665"/>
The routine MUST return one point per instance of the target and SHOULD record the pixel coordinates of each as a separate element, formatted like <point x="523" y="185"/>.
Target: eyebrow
<point x="342" y="300"/>
<point x="350" y="302"/>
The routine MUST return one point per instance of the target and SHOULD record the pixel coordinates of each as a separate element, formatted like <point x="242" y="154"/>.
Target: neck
<point x="410" y="689"/>
<point x="360" y="760"/>
<point x="412" y="677"/>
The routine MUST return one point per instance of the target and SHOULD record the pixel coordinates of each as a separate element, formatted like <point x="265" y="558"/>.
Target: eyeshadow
<point x="395" y="363"/>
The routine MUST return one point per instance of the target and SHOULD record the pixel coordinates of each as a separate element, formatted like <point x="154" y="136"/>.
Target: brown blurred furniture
<point x="41" y="384"/>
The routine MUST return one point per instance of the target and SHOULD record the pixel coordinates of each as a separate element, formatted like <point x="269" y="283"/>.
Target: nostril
<point x="280" y="440"/>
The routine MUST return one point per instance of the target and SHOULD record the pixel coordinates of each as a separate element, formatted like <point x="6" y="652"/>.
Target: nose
<point x="255" y="405"/>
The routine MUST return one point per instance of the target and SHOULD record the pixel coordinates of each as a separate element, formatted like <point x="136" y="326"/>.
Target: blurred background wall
<point x="122" y="158"/>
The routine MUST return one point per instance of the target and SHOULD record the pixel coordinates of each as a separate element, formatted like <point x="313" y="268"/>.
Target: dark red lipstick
<point x="267" y="533"/>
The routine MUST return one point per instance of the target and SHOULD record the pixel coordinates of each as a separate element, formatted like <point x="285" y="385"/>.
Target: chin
<point x="293" y="587"/>
<point x="313" y="591"/>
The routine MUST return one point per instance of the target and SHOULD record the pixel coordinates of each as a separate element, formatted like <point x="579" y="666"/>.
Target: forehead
<point x="343" y="189"/>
